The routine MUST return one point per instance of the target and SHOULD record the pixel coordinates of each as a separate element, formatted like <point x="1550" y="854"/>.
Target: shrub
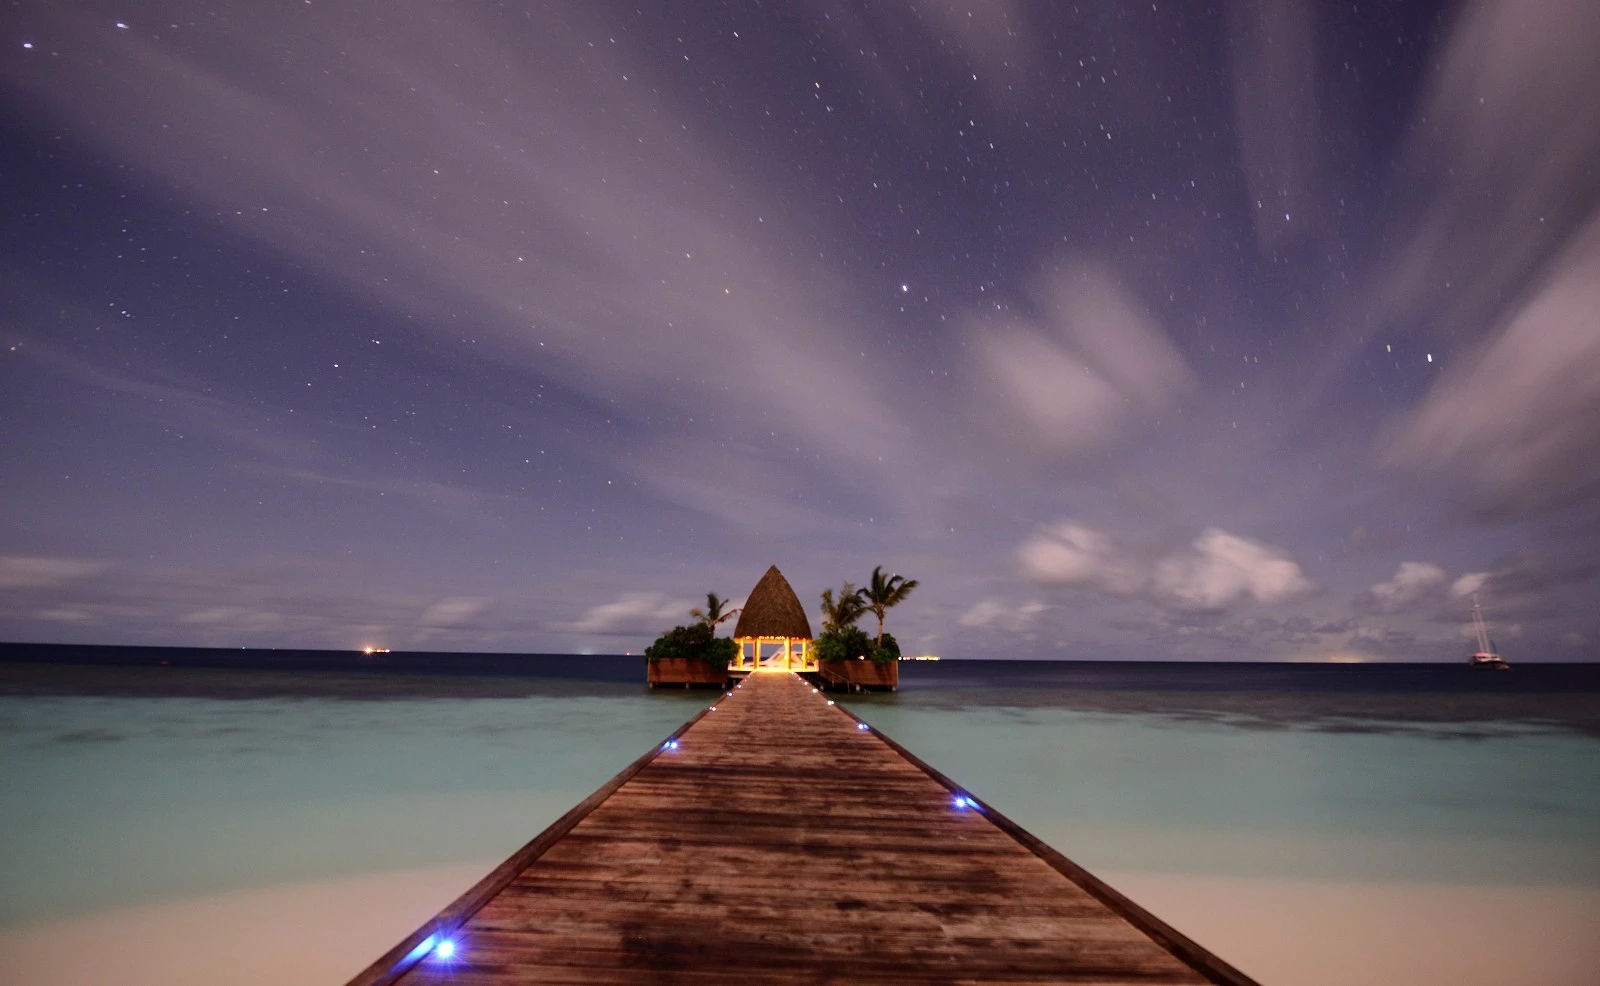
<point x="697" y="642"/>
<point x="888" y="652"/>
<point x="842" y="644"/>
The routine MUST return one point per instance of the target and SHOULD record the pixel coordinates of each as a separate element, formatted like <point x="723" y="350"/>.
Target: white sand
<point x="318" y="932"/>
<point x="1302" y="933"/>
<point x="1285" y="933"/>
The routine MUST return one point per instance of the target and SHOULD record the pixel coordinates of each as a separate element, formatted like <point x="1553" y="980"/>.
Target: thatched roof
<point x="773" y="610"/>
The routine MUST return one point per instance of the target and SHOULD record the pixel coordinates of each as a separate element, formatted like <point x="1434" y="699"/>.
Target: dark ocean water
<point x="1339" y="697"/>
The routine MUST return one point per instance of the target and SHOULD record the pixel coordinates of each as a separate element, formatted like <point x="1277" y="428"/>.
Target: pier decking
<point x="777" y="839"/>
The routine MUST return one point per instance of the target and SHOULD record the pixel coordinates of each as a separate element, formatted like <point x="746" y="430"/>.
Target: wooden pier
<point x="775" y="838"/>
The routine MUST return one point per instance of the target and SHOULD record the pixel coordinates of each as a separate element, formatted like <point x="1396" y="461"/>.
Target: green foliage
<point x="842" y="644"/>
<point x="716" y="610"/>
<point x="887" y="651"/>
<point x="885" y="591"/>
<point x="695" y="641"/>
<point x="844" y="611"/>
<point x="721" y="652"/>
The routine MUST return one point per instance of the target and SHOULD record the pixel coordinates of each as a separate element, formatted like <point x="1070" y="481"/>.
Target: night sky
<point x="1164" y="330"/>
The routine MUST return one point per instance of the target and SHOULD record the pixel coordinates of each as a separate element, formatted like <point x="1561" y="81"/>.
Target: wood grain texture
<point x="780" y="842"/>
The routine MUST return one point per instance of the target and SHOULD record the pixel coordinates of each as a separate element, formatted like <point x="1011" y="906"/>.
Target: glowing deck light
<point x="423" y="948"/>
<point x="830" y="701"/>
<point x="962" y="801"/>
<point x="670" y="745"/>
<point x="445" y="949"/>
<point x="862" y="725"/>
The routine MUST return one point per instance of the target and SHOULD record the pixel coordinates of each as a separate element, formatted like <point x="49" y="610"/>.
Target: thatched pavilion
<point x="771" y="626"/>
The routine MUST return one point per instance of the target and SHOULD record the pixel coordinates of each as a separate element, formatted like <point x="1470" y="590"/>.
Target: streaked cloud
<point x="636" y="614"/>
<point x="999" y="614"/>
<point x="1280" y="124"/>
<point x="44" y="572"/>
<point x="452" y="612"/>
<point x="1091" y="363"/>
<point x="1514" y="418"/>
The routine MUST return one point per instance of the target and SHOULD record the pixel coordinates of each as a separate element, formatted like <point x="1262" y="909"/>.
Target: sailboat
<point x="1486" y="656"/>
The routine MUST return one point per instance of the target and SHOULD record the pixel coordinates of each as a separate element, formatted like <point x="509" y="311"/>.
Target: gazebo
<point x="770" y="627"/>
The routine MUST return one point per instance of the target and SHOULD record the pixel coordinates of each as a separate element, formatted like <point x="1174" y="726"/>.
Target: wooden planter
<point x="866" y="674"/>
<point x="684" y="671"/>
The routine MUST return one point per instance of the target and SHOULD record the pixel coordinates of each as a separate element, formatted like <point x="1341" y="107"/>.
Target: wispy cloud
<point x="1515" y="418"/>
<point x="1091" y="363"/>
<point x="1500" y="261"/>
<point x="1068" y="553"/>
<point x="44" y="572"/>
<point x="1221" y="569"/>
<point x="1279" y="121"/>
<point x="1412" y="582"/>
<point x="635" y="258"/>
<point x="1216" y="571"/>
<point x="636" y="614"/>
<point x="452" y="612"/>
<point x="999" y="614"/>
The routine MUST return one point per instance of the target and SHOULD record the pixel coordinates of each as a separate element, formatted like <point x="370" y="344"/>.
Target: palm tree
<point x="716" y="610"/>
<point x="881" y="593"/>
<point x="843" y="612"/>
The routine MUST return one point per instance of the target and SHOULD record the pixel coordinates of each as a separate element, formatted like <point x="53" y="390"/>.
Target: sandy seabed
<point x="1282" y="932"/>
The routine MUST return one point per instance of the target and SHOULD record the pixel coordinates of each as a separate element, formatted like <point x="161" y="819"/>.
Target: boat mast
<point x="1479" y="627"/>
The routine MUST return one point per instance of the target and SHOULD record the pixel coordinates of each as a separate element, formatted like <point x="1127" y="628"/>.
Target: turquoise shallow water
<point x="123" y="794"/>
<point x="113" y="801"/>
<point x="1144" y="792"/>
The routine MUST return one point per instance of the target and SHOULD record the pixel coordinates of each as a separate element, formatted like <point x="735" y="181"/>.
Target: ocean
<point x="1223" y="797"/>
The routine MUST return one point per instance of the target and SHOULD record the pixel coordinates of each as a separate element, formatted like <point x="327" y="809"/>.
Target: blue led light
<point x="670" y="745"/>
<point x="423" y="948"/>
<point x="962" y="801"/>
<point x="862" y="725"/>
<point x="445" y="949"/>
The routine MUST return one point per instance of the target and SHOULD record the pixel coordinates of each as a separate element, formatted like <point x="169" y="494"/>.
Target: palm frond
<point x="883" y="591"/>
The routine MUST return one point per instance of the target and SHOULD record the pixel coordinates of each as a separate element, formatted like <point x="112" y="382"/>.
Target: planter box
<point x="866" y="674"/>
<point x="684" y="671"/>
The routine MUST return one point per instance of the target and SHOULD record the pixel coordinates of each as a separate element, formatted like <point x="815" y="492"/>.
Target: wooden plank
<point x="781" y="842"/>
<point x="1178" y="943"/>
<point x="393" y="963"/>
